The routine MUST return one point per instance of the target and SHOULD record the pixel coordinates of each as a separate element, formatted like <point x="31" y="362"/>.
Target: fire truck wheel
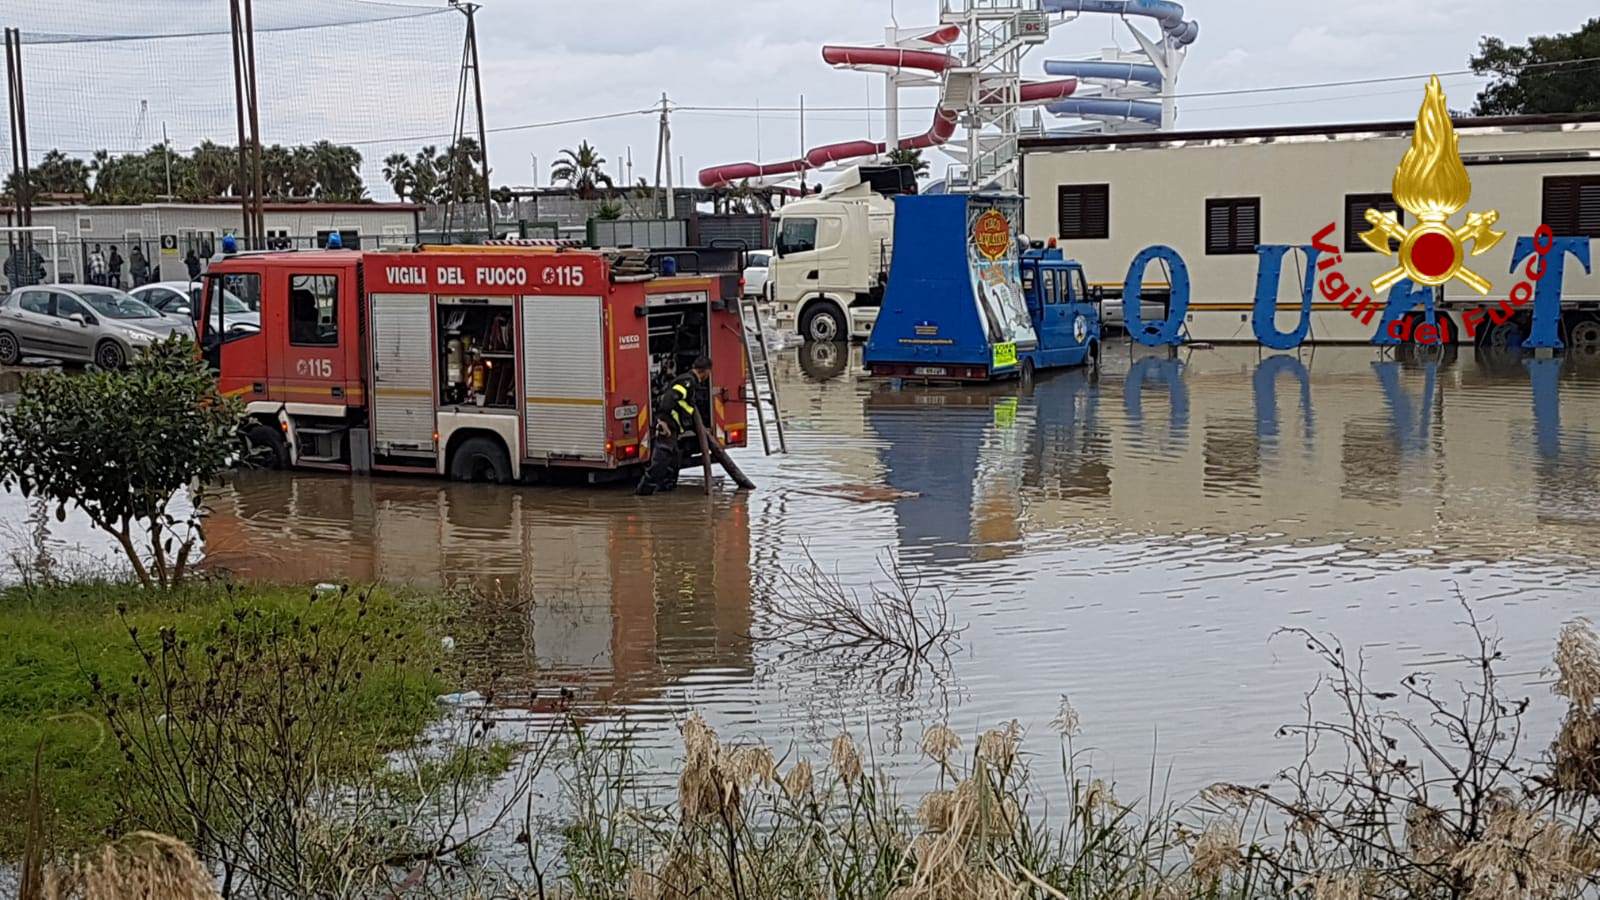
<point x="10" y="351"/>
<point x="264" y="446"/>
<point x="480" y="459"/>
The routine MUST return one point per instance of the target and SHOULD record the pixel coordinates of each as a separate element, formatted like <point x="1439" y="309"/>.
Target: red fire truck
<point x="497" y="364"/>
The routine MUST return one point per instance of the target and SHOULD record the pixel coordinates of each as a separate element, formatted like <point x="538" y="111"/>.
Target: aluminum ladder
<point x="761" y="388"/>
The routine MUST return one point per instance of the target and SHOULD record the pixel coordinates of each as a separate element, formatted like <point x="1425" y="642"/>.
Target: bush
<point x="120" y="445"/>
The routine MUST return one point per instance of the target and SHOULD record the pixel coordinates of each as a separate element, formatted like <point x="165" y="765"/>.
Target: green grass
<point x="52" y="639"/>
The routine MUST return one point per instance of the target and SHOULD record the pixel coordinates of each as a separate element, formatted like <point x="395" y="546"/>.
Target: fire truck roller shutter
<point x="402" y="390"/>
<point x="564" y="376"/>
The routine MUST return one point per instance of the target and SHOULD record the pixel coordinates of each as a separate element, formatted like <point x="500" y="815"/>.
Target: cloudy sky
<point x="545" y="61"/>
<point x="390" y="85"/>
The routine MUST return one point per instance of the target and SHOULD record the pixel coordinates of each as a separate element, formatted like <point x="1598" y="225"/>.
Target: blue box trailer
<point x="967" y="301"/>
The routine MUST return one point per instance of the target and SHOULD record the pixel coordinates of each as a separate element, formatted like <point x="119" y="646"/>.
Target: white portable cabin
<point x="1214" y="195"/>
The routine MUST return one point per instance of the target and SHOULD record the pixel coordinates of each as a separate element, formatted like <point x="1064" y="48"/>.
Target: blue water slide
<point x="1112" y="71"/>
<point x="1139" y="110"/>
<point x="1166" y="12"/>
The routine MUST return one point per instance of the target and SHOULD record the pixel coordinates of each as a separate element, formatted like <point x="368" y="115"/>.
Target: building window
<point x="1084" y="211"/>
<point x="1355" y="219"/>
<point x="1233" y="225"/>
<point x="314" y="310"/>
<point x="1572" y="205"/>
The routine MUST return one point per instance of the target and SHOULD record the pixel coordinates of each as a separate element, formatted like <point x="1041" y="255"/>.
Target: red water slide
<point x="944" y="120"/>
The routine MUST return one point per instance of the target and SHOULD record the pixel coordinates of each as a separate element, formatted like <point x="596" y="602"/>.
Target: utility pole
<point x="664" y="155"/>
<point x="483" y="130"/>
<point x="258" y="187"/>
<point x="802" y="145"/>
<point x="470" y="71"/>
<point x="19" y="145"/>
<point x="247" y="118"/>
<point x="166" y="155"/>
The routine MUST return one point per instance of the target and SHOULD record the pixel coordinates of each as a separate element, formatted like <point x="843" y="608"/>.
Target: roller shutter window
<point x="1233" y="225"/>
<point x="1572" y="205"/>
<point x="1355" y="219"/>
<point x="1084" y="212"/>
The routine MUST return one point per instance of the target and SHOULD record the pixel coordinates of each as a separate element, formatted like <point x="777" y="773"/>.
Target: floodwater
<point x="1133" y="539"/>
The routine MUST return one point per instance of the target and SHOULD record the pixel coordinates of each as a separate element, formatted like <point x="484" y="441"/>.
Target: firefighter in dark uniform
<point x="674" y="417"/>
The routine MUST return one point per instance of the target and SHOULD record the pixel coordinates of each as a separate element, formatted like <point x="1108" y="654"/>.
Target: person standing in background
<point x="138" y="266"/>
<point x="97" y="266"/>
<point x="115" y="266"/>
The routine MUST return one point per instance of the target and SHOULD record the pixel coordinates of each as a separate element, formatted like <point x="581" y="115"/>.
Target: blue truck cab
<point x="969" y="301"/>
<point x="1065" y="316"/>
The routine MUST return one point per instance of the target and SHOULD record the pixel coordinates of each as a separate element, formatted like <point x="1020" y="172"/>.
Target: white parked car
<point x="181" y="300"/>
<point x="758" y="264"/>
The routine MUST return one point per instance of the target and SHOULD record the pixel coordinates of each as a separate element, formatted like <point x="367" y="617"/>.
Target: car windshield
<point x="117" y="305"/>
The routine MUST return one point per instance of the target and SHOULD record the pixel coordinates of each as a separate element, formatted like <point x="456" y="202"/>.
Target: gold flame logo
<point x="1432" y="184"/>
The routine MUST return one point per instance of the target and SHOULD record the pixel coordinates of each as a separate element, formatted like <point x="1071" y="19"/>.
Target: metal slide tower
<point x="985" y="88"/>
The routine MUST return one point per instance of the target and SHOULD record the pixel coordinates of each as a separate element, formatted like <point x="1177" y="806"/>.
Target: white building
<point x="1214" y="195"/>
<point x="166" y="232"/>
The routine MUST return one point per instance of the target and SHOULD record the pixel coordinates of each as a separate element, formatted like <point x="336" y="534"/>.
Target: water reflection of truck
<point x="615" y="601"/>
<point x="831" y="262"/>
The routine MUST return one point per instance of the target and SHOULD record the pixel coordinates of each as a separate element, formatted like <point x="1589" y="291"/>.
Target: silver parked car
<point x="80" y="323"/>
<point x="180" y="300"/>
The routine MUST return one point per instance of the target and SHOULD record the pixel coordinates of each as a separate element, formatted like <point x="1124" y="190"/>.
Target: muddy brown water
<point x="1133" y="539"/>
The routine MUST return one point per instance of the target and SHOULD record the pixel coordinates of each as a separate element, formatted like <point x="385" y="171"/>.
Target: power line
<point x="50" y="39"/>
<point x="507" y="129"/>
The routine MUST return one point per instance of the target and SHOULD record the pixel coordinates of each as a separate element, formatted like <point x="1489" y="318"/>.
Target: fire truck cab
<point x="498" y="364"/>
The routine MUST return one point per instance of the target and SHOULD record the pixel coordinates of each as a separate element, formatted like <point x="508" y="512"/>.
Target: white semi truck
<point x="831" y="260"/>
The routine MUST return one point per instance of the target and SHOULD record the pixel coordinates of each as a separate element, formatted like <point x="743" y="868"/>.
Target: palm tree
<point x="425" y="176"/>
<point x="583" y="170"/>
<point x="59" y="173"/>
<point x="462" y="176"/>
<point x="741" y="198"/>
<point x="216" y="169"/>
<point x="302" y="173"/>
<point x="901" y="156"/>
<point x="397" y="170"/>
<point x="277" y="169"/>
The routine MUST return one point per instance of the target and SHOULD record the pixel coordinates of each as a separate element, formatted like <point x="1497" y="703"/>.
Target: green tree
<point x="401" y="175"/>
<point x="460" y="175"/>
<point x="426" y="180"/>
<point x="277" y="170"/>
<point x="57" y="173"/>
<point x="901" y="156"/>
<point x="583" y="170"/>
<point x="216" y="170"/>
<point x="1540" y="76"/>
<point x="338" y="172"/>
<point x="120" y="446"/>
